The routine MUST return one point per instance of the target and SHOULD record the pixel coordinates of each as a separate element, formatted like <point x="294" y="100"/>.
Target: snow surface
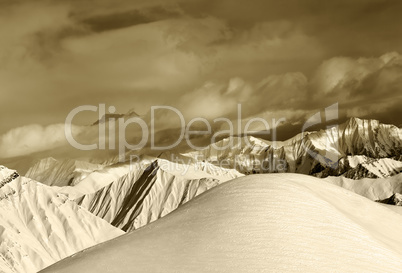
<point x="257" y="223"/>
<point x="39" y="226"/>
<point x="373" y="189"/>
<point x="66" y="172"/>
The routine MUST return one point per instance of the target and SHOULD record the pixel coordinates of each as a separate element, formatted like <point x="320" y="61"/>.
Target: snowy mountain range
<point x="355" y="149"/>
<point x="223" y="214"/>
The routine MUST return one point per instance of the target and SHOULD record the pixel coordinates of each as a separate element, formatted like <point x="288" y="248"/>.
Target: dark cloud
<point x="351" y="28"/>
<point x="128" y="18"/>
<point x="275" y="57"/>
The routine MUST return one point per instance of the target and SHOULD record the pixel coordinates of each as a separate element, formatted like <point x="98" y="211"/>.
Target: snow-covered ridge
<point x="258" y="223"/>
<point x="372" y="188"/>
<point x="7" y="175"/>
<point x="53" y="172"/>
<point x="370" y="138"/>
<point x="39" y="226"/>
<point x="395" y="199"/>
<point x="145" y="192"/>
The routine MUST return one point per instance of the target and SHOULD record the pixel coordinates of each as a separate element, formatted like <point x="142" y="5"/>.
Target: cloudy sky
<point x="277" y="58"/>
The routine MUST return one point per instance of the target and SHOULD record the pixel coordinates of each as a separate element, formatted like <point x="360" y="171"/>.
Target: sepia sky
<point x="278" y="58"/>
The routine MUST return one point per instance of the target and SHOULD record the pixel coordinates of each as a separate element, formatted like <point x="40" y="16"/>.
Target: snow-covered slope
<point x="370" y="138"/>
<point x="373" y="189"/>
<point x="258" y="223"/>
<point x="355" y="149"/>
<point x="7" y="175"/>
<point x="395" y="199"/>
<point x="397" y="209"/>
<point x="361" y="166"/>
<point x="146" y="192"/>
<point x="39" y="226"/>
<point x="54" y="172"/>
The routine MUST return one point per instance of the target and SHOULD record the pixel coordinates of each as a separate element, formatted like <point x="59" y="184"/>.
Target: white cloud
<point x="33" y="138"/>
<point x="348" y="76"/>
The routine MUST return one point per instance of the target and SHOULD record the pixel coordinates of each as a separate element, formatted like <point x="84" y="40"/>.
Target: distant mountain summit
<point x="370" y="138"/>
<point x="105" y="118"/>
<point x="357" y="148"/>
<point x="7" y="175"/>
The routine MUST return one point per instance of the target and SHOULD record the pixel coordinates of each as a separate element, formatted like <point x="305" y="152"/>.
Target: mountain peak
<point x="7" y="175"/>
<point x="354" y="120"/>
